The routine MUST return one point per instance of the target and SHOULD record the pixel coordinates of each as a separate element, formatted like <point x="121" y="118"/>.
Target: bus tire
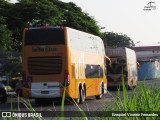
<point x="4" y="99"/>
<point x="98" y="97"/>
<point x="82" y="96"/>
<point x="38" y="101"/>
<point x="78" y="99"/>
<point x="130" y="87"/>
<point x="19" y="92"/>
<point x="134" y="86"/>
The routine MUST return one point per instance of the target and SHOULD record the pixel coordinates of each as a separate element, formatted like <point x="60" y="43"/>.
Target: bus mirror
<point x="108" y="60"/>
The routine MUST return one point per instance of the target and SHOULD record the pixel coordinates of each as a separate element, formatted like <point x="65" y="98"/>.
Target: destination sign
<point x="43" y="49"/>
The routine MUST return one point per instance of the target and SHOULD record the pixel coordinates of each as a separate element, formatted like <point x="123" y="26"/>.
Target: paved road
<point x="91" y="104"/>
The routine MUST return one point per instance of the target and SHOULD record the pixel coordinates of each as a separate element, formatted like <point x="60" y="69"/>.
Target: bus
<point x="123" y="67"/>
<point x="56" y="59"/>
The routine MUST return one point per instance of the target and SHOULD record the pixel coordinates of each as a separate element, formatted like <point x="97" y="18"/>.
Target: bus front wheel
<point x="83" y="96"/>
<point x="101" y="93"/>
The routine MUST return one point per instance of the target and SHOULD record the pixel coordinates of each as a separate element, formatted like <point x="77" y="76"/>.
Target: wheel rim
<point x="83" y="96"/>
<point x="100" y="95"/>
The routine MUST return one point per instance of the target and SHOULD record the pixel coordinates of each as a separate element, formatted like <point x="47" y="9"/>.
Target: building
<point x="149" y="60"/>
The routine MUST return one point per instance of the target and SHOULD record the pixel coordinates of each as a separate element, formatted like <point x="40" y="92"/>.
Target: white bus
<point x="123" y="66"/>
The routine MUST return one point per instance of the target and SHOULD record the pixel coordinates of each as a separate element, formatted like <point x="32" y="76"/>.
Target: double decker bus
<point x="123" y="67"/>
<point x="57" y="57"/>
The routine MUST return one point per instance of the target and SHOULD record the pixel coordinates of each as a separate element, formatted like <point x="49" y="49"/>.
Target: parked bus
<point x="58" y="57"/>
<point x="123" y="66"/>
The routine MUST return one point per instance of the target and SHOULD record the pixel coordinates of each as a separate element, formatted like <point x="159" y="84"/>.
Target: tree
<point x="73" y="16"/>
<point x="37" y="12"/>
<point x="7" y="21"/>
<point x="29" y="13"/>
<point x="5" y="35"/>
<point x="118" y="40"/>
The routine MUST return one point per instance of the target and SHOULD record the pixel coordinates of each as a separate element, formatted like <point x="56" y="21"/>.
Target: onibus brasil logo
<point x="150" y="6"/>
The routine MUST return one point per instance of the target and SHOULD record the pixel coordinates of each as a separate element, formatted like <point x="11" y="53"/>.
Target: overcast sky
<point x="126" y="17"/>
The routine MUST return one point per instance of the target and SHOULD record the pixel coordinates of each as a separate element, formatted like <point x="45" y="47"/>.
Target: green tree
<point x="36" y="13"/>
<point x="7" y="17"/>
<point x="73" y="16"/>
<point x="5" y="36"/>
<point x="29" y="13"/>
<point x="118" y="40"/>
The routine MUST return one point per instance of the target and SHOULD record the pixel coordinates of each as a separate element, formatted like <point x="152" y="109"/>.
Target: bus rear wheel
<point x="38" y="101"/>
<point x="101" y="93"/>
<point x="78" y="99"/>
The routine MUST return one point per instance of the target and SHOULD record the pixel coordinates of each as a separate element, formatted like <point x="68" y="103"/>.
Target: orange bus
<point x="58" y="57"/>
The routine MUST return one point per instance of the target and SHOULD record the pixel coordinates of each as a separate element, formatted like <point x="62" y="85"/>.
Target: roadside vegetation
<point x="144" y="100"/>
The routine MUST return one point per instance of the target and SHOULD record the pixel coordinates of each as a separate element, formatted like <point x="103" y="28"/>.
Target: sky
<point x="126" y="17"/>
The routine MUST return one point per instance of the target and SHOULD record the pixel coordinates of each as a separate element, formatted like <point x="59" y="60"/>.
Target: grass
<point x="144" y="99"/>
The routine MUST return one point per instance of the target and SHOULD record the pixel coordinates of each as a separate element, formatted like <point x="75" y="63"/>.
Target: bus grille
<point x="44" y="65"/>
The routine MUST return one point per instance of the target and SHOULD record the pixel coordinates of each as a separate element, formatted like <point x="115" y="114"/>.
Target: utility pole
<point x="104" y="38"/>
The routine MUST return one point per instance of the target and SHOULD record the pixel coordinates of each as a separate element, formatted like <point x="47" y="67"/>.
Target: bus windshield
<point x="44" y="37"/>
